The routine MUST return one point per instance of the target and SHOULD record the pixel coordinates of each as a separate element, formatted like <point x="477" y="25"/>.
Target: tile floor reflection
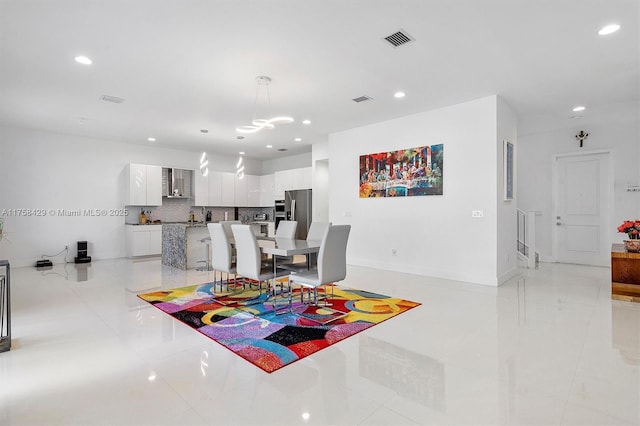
<point x="549" y="347"/>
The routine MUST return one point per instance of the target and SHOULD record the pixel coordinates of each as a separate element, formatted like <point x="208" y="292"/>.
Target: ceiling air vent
<point x="399" y="38"/>
<point x="113" y="99"/>
<point x="362" y="98"/>
<point x="282" y="149"/>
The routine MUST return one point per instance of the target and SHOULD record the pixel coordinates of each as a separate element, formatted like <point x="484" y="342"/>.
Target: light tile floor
<point x="549" y="347"/>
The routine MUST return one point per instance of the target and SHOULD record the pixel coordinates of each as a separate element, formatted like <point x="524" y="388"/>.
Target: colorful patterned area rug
<point x="245" y="323"/>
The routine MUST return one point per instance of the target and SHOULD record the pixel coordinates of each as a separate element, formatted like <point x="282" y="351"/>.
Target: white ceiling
<point x="185" y="65"/>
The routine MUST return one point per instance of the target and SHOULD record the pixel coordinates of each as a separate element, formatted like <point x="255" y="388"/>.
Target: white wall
<point x="286" y="163"/>
<point x="433" y="235"/>
<point x="535" y="153"/>
<point x="506" y="210"/>
<point x="320" y="161"/>
<point x="41" y="170"/>
<point x="321" y="191"/>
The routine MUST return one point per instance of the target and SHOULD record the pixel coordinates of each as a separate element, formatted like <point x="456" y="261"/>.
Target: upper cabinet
<point x="215" y="189"/>
<point x="208" y="189"/>
<point x="302" y="178"/>
<point x="286" y="180"/>
<point x="223" y="189"/>
<point x="241" y="191"/>
<point x="267" y="189"/>
<point x="201" y="189"/>
<point x="144" y="185"/>
<point x="283" y="181"/>
<point x="253" y="191"/>
<point x="228" y="189"/>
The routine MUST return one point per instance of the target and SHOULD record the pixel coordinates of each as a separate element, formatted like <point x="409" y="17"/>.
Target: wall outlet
<point x="347" y="213"/>
<point x="477" y="213"/>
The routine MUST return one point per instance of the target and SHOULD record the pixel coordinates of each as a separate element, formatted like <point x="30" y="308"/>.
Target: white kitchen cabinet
<point x="215" y="189"/>
<point x="201" y="189"/>
<point x="267" y="190"/>
<point x="143" y="240"/>
<point x="302" y="178"/>
<point x="155" y="239"/>
<point x="228" y="189"/>
<point x="154" y="186"/>
<point x="253" y="190"/>
<point x="241" y="191"/>
<point x="208" y="189"/>
<point x="137" y="189"/>
<point x="144" y="185"/>
<point x="283" y="181"/>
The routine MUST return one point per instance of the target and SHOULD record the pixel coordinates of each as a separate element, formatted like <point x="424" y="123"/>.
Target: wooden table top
<point x="618" y="250"/>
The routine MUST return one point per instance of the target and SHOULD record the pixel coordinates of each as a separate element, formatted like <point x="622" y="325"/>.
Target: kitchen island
<point x="181" y="244"/>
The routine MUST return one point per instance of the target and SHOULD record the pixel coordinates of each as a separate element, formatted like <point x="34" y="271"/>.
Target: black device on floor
<point x="43" y="263"/>
<point x="82" y="253"/>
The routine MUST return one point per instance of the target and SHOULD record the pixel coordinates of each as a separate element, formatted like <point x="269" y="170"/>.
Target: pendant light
<point x="258" y="123"/>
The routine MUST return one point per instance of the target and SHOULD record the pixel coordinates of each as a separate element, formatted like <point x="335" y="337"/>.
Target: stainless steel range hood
<point x="177" y="183"/>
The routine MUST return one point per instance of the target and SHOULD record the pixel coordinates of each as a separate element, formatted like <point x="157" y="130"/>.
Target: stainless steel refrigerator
<point x="297" y="206"/>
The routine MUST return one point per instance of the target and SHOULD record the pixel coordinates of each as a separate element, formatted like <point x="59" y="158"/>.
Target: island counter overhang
<point x="182" y="245"/>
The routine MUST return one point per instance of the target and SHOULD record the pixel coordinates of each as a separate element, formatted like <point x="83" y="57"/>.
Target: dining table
<point x="287" y="247"/>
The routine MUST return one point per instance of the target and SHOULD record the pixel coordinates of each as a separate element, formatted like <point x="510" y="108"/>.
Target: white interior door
<point x="582" y="203"/>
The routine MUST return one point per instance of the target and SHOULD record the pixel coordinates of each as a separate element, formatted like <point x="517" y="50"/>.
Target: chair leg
<point x="289" y="308"/>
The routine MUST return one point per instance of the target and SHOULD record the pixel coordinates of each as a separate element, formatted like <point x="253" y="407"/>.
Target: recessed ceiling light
<point x="241" y="153"/>
<point x="306" y="121"/>
<point x="83" y="60"/>
<point x="399" y="95"/>
<point x="579" y="108"/>
<point x="269" y="146"/>
<point x="298" y="139"/>
<point x="609" y="29"/>
<point x="151" y="139"/>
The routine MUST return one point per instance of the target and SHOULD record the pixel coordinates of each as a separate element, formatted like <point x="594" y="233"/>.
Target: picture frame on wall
<point x="409" y="172"/>
<point x="508" y="170"/>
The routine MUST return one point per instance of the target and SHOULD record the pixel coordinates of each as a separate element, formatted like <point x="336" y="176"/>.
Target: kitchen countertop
<point x="189" y="224"/>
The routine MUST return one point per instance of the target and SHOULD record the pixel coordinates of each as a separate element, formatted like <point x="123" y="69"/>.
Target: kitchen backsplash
<point x="178" y="210"/>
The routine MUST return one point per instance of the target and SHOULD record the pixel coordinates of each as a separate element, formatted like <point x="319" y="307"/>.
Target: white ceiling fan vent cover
<point x="114" y="99"/>
<point x="399" y="38"/>
<point x="362" y="98"/>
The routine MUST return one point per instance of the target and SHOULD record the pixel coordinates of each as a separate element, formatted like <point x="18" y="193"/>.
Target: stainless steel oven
<point x="280" y="213"/>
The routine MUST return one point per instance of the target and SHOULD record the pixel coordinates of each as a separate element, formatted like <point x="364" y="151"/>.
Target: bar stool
<point x="207" y="262"/>
<point x="5" y="307"/>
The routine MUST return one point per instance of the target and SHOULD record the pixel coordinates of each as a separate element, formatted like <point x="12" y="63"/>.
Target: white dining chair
<point x="287" y="229"/>
<point x="316" y="233"/>
<point x="332" y="263"/>
<point x="317" y="230"/>
<point x="226" y="225"/>
<point x="249" y="263"/>
<point x="221" y="254"/>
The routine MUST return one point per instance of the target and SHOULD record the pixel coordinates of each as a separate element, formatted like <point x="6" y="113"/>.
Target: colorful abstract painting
<point x="245" y="323"/>
<point x="402" y="173"/>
